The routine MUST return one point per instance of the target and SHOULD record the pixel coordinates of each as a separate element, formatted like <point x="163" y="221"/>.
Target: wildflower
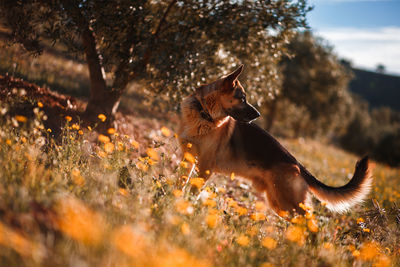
<point x="189" y="145"/>
<point x="305" y="207"/>
<point x="120" y="146"/>
<point x="382" y="261"/>
<point x="366" y="230"/>
<point x="298" y="220"/>
<point x="109" y="147"/>
<point x="89" y="128"/>
<point x="177" y="193"/>
<point x="135" y="144"/>
<point x="185" y="229"/>
<point x="49" y="130"/>
<point x="111" y="131"/>
<point x="68" y="118"/>
<point x="77" y="177"/>
<point x="123" y="192"/>
<point x="165" y="131"/>
<point x="232" y="176"/>
<point x="369" y="251"/>
<point x="141" y="166"/>
<point x="360" y="220"/>
<point x="267" y="264"/>
<point x="241" y="211"/>
<point x="129" y="242"/>
<point x="269" y="243"/>
<point x="260" y="206"/>
<point x="80" y="132"/>
<point x="103" y="138"/>
<point x="355" y="253"/>
<point x="152" y="154"/>
<point x="101" y="154"/>
<point x="183" y="164"/>
<point x="210" y="203"/>
<point x="243" y="240"/>
<point x="197" y="182"/>
<point x="212" y="220"/>
<point x="79" y="222"/>
<point x="102" y="117"/>
<point x="258" y="216"/>
<point x="327" y="246"/>
<point x="189" y="157"/>
<point x="295" y="234"/>
<point x="23" y="140"/>
<point x="21" y="118"/>
<point x="184" y="207"/>
<point x="312" y="225"/>
<point x="40" y="104"/>
<point x="75" y="126"/>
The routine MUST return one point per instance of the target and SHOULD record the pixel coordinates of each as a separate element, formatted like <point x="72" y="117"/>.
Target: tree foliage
<point x="173" y="45"/>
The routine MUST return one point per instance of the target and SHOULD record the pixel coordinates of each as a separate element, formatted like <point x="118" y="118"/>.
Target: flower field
<point x="85" y="199"/>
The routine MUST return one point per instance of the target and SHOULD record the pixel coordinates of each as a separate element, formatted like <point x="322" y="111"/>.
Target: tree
<point x="165" y="42"/>
<point x="314" y="80"/>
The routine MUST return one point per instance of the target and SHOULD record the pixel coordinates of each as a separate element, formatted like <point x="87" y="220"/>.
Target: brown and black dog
<point x="216" y="120"/>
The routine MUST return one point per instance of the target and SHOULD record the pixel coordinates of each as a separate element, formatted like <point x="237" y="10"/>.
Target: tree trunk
<point x="103" y="100"/>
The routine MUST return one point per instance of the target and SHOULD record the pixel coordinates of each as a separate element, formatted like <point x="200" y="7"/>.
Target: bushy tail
<point x="340" y="199"/>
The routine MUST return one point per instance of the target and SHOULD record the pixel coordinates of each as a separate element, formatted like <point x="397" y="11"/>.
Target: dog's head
<point x="233" y="98"/>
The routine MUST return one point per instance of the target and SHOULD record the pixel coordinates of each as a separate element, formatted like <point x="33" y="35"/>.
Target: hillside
<point x="378" y="89"/>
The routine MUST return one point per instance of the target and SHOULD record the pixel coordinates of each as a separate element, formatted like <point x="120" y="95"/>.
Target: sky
<point x="366" y="32"/>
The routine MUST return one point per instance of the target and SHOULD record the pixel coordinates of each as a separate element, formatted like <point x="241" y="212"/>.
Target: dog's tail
<point x="340" y="199"/>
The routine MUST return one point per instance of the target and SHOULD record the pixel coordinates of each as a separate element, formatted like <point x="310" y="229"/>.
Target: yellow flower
<point x="49" y="130"/>
<point x="197" y="182"/>
<point x="312" y="225"/>
<point x="212" y="220"/>
<point x="165" y="131"/>
<point x="243" y="240"/>
<point x="111" y="131"/>
<point x="80" y="132"/>
<point x="152" y="154"/>
<point x="189" y="157"/>
<point x="240" y="210"/>
<point x="369" y="251"/>
<point x="177" y="193"/>
<point x="109" y="147"/>
<point x="366" y="230"/>
<point x="68" y="118"/>
<point x="79" y="222"/>
<point x="232" y="176"/>
<point x="102" y="117"/>
<point x="258" y="216"/>
<point x="141" y="166"/>
<point x="135" y="144"/>
<point x="40" y="104"/>
<point x="123" y="192"/>
<point x="189" y="145"/>
<point x="103" y="138"/>
<point x="77" y="177"/>
<point x="184" y="207"/>
<point x="21" y="118"/>
<point x="295" y="234"/>
<point x="360" y="220"/>
<point x="185" y="229"/>
<point x="269" y="243"/>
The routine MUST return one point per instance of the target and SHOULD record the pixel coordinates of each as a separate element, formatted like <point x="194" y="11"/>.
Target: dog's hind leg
<point x="286" y="189"/>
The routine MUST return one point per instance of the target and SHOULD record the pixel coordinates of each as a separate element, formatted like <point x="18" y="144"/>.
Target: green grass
<point x="121" y="203"/>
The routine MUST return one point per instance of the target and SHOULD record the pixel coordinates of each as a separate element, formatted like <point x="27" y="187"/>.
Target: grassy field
<point x="121" y="201"/>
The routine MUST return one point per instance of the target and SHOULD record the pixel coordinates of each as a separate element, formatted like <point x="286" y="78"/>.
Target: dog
<point x="217" y="121"/>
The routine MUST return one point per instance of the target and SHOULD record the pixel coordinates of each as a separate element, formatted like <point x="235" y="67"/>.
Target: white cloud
<point x="366" y="47"/>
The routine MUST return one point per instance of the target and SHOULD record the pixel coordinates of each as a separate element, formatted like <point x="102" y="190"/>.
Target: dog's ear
<point x="230" y="78"/>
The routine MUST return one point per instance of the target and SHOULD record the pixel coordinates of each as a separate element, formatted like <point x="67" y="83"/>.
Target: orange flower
<point x="75" y="126"/>
<point x="269" y="243"/>
<point x="102" y="117"/>
<point x="68" y="118"/>
<point x="212" y="220"/>
<point x="152" y="154"/>
<point x="258" y="216"/>
<point x="21" y="118"/>
<point x="189" y="157"/>
<point x="197" y="182"/>
<point x="111" y="131"/>
<point x="104" y="138"/>
<point x="177" y="193"/>
<point x="40" y="104"/>
<point x="312" y="225"/>
<point x="135" y="144"/>
<point x="232" y="176"/>
<point x="295" y="234"/>
<point x="369" y="251"/>
<point x="240" y="210"/>
<point x="189" y="145"/>
<point x="77" y="177"/>
<point x="109" y="147"/>
<point x="165" y="131"/>
<point x="243" y="240"/>
<point x="185" y="229"/>
<point x="141" y="166"/>
<point x="184" y="207"/>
